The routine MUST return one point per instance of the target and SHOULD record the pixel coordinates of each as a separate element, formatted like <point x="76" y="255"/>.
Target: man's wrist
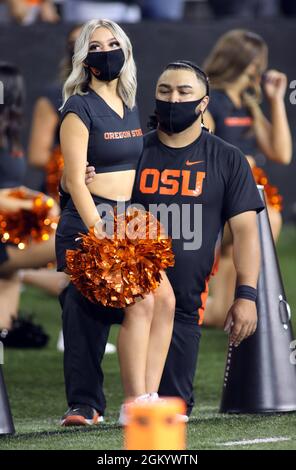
<point x="246" y="292"/>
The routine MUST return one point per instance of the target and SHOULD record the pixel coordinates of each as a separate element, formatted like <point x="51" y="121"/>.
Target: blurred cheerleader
<point x="100" y="124"/>
<point x="20" y="265"/>
<point x="12" y="172"/>
<point x="44" y="152"/>
<point x="44" y="145"/>
<point x="237" y="70"/>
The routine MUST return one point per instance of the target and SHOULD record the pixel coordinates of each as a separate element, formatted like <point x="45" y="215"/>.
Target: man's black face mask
<point x="176" y="117"/>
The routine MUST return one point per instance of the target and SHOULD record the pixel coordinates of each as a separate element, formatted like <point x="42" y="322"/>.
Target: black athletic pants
<point x="86" y="331"/>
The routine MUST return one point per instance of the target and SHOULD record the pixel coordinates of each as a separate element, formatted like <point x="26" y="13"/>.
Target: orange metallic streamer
<point x="25" y="226"/>
<point x="273" y="197"/>
<point x="54" y="171"/>
<point x="119" y="269"/>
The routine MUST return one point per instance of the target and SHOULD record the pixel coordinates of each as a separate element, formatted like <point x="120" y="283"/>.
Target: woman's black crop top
<point x="232" y="124"/>
<point x="115" y="143"/>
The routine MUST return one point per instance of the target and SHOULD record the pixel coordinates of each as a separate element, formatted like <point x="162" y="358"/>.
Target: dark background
<point x="38" y="49"/>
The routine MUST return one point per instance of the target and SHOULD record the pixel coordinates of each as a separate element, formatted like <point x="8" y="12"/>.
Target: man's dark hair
<point x="188" y="65"/>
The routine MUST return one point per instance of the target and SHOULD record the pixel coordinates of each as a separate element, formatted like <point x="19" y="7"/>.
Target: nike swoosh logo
<point x="193" y="163"/>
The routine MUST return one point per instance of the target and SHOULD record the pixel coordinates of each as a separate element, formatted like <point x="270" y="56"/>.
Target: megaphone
<point x="6" y="422"/>
<point x="260" y="374"/>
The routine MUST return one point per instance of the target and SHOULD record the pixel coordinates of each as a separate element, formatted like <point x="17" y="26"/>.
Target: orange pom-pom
<point x="117" y="269"/>
<point x="54" y="171"/>
<point x="272" y="195"/>
<point x="25" y="226"/>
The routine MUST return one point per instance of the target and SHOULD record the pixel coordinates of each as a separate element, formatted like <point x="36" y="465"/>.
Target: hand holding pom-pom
<point x="116" y="269"/>
<point x="100" y="229"/>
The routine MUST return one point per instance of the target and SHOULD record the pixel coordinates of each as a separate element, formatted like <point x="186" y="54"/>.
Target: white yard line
<point x="245" y="442"/>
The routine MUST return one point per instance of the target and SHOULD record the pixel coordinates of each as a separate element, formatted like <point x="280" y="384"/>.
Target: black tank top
<point x="115" y="143"/>
<point x="232" y="124"/>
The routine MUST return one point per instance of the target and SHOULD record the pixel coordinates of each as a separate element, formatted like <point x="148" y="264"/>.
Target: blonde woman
<point x="100" y="124"/>
<point x="237" y="71"/>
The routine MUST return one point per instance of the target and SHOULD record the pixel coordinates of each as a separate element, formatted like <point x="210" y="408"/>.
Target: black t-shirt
<point x="115" y="143"/>
<point x="232" y="124"/>
<point x="209" y="172"/>
<point x="12" y="169"/>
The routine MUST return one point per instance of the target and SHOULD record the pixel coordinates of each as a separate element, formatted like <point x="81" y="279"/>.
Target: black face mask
<point x="108" y="64"/>
<point x="176" y="117"/>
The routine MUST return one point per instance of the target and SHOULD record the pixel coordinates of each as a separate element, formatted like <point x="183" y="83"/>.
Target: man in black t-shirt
<point x="205" y="182"/>
<point x="210" y="182"/>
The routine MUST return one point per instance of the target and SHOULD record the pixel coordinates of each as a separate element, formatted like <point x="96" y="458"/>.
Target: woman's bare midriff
<point x="113" y="185"/>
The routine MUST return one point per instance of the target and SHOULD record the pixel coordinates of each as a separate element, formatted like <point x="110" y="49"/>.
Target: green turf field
<point x="35" y="385"/>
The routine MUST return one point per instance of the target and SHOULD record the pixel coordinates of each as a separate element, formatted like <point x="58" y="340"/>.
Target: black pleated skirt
<point x="70" y="225"/>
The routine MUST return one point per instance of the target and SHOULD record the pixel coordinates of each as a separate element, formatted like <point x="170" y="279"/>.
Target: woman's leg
<point x="133" y="341"/>
<point x="49" y="280"/>
<point x="160" y="333"/>
<point x="223" y="283"/>
<point x="9" y="300"/>
<point x="222" y="287"/>
<point x="275" y="218"/>
<point x="36" y="255"/>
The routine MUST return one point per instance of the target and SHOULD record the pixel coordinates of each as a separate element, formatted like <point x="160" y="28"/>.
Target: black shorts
<point x="70" y="225"/>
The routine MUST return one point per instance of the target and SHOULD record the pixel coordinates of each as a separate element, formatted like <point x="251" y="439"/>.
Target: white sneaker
<point x="183" y="418"/>
<point x="122" y="420"/>
<point x="153" y="397"/>
<point x="110" y="348"/>
<point x="60" y="343"/>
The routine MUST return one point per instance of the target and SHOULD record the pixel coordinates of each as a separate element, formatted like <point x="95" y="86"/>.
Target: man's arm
<point x="241" y="320"/>
<point x="48" y="12"/>
<point x="90" y="173"/>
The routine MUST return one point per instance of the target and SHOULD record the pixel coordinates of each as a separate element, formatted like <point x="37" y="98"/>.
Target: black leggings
<point x="86" y="328"/>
